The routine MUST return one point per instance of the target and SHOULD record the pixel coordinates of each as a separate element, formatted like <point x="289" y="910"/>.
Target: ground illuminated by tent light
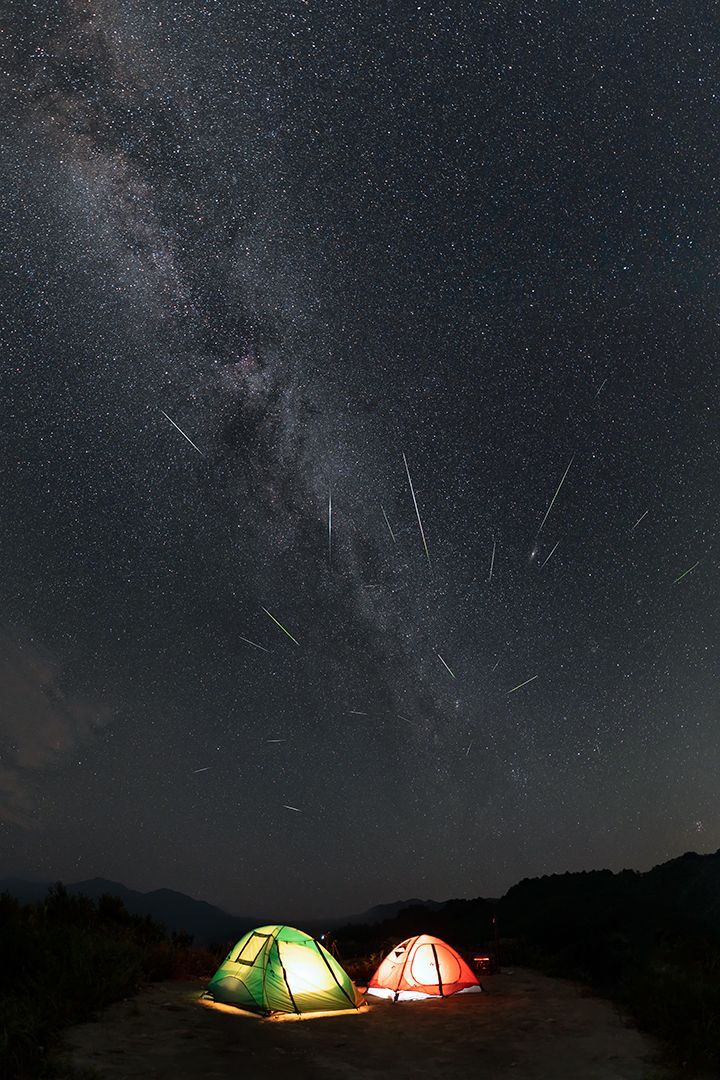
<point x="282" y="1018"/>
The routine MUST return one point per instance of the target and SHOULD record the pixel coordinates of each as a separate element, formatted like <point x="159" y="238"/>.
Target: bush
<point x="362" y="968"/>
<point x="678" y="999"/>
<point x="67" y="957"/>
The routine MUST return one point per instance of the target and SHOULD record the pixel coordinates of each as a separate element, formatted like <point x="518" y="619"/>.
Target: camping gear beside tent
<point x="422" y="967"/>
<point x="280" y="969"/>
<point x="485" y="963"/>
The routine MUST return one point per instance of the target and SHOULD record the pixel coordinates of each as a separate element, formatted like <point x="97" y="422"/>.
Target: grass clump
<point x="66" y="958"/>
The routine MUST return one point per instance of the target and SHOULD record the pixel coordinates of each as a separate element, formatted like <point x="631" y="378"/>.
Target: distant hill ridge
<point x="381" y="912"/>
<point x="179" y="912"/>
<point x="175" y="910"/>
<point x="688" y="885"/>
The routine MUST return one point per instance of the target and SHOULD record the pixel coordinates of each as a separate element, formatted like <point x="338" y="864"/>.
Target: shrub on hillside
<point x="67" y="957"/>
<point x="676" y="996"/>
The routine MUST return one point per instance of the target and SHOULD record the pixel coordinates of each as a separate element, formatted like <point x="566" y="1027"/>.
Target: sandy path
<point x="527" y="1027"/>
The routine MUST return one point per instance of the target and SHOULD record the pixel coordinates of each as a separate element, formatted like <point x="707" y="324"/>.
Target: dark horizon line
<point x="327" y="915"/>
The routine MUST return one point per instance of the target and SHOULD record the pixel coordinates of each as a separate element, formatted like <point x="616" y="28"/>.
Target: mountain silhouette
<point x="174" y="910"/>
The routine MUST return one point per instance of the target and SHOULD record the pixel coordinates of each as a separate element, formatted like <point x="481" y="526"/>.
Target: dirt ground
<point x="526" y="1027"/>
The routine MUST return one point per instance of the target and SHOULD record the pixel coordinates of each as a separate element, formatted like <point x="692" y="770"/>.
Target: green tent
<point x="279" y="969"/>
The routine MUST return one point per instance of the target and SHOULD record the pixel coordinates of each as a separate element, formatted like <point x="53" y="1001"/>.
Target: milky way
<point x="331" y="244"/>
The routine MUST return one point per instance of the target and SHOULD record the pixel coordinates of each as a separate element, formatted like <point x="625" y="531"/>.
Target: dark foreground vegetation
<point x="65" y="958"/>
<point x="650" y="942"/>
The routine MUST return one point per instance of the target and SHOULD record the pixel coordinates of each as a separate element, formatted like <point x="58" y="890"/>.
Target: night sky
<point x="319" y="236"/>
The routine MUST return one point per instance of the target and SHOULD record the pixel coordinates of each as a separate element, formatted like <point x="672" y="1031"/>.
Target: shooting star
<point x="686" y="572"/>
<point x="295" y="808"/>
<point x="253" y="643"/>
<point x="496" y="663"/>
<point x="445" y="665"/>
<point x="468" y="750"/>
<point x="405" y="718"/>
<point x="388" y="525"/>
<point x="329" y="526"/>
<point x="552" y="501"/>
<point x="522" y="684"/>
<point x="356" y="712"/>
<point x="412" y="491"/>
<point x="639" y="520"/>
<point x="281" y="626"/>
<point x="549" y="556"/>
<point x="205" y="769"/>
<point x="275" y="740"/>
<point x="492" y="561"/>
<point x="599" y="389"/>
<point x="182" y="433"/>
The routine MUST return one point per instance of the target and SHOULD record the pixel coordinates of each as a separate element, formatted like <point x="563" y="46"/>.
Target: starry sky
<point x="319" y="237"/>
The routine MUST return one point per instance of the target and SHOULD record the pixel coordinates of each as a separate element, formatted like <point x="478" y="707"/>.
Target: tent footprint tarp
<point x="280" y="969"/>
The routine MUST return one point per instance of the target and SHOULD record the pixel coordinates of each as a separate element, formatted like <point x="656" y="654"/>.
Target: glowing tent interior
<point x="277" y="969"/>
<point x="422" y="967"/>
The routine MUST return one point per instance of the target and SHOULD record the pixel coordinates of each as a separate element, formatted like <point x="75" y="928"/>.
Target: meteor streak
<point x="549" y="556"/>
<point x="521" y="684"/>
<point x="412" y="491"/>
<point x="281" y="626"/>
<point x="492" y="562"/>
<point x="330" y="527"/>
<point x="205" y="769"/>
<point x="295" y="808"/>
<point x="445" y="665"/>
<point x="275" y="740"/>
<point x="253" y="643"/>
<point x="182" y="433"/>
<point x="388" y="525"/>
<point x="552" y="501"/>
<point x="686" y="572"/>
<point x="639" y="520"/>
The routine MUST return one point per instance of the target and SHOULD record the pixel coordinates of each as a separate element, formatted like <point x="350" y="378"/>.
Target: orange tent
<point x="422" y="967"/>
